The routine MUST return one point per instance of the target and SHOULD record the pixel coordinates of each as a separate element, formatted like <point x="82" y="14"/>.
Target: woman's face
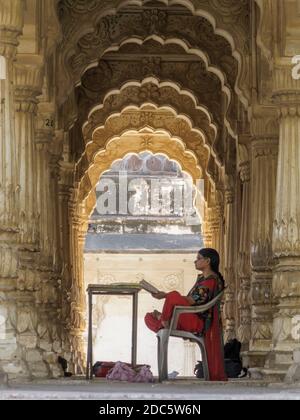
<point x="201" y="262"/>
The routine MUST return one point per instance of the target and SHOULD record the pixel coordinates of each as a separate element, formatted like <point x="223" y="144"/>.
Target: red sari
<point x="209" y="323"/>
<point x="212" y="330"/>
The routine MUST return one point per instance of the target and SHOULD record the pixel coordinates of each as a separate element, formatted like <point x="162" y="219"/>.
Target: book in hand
<point x="147" y="286"/>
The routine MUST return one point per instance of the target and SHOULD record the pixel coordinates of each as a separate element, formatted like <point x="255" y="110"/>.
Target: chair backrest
<point x="196" y="309"/>
<point x="211" y="303"/>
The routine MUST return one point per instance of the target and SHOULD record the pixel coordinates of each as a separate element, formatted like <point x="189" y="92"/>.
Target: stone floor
<point x="178" y="389"/>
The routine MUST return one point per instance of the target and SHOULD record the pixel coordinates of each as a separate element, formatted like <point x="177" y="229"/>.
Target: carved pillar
<point x="263" y="183"/>
<point x="54" y="208"/>
<point x="11" y="24"/>
<point x="28" y="83"/>
<point x="286" y="231"/>
<point x="78" y="229"/>
<point x="65" y="193"/>
<point x="73" y="227"/>
<point x="44" y="138"/>
<point x="38" y="284"/>
<point x="221" y="230"/>
<point x="244" y="330"/>
<point x="215" y="227"/>
<point x="229" y="304"/>
<point x="207" y="229"/>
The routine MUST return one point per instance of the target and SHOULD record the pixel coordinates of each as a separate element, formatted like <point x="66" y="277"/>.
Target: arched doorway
<point x="201" y="82"/>
<point x="153" y="234"/>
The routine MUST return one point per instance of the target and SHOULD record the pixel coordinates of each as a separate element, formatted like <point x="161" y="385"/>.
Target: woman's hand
<point x="159" y="295"/>
<point x="191" y="300"/>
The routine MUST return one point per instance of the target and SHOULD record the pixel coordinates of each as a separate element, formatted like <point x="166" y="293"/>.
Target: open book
<point x="147" y="286"/>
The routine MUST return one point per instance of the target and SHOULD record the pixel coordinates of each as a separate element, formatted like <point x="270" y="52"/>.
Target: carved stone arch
<point x="138" y="118"/>
<point x="205" y="66"/>
<point x="224" y="74"/>
<point x="169" y="95"/>
<point x="120" y="146"/>
<point x="205" y="91"/>
<point x="229" y="19"/>
<point x="151" y="91"/>
<point x="98" y="80"/>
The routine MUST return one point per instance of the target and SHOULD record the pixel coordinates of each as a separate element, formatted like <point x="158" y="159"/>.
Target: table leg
<point x="134" y="329"/>
<point x="89" y="367"/>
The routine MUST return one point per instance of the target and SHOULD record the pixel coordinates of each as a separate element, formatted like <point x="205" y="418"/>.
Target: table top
<point x="114" y="288"/>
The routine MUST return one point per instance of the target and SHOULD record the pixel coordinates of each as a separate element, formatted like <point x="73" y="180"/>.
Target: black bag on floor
<point x="233" y="362"/>
<point x="198" y="371"/>
<point x="233" y="368"/>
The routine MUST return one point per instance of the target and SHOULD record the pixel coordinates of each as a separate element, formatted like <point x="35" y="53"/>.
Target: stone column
<point x="221" y="230"/>
<point x="28" y="84"/>
<point x="66" y="172"/>
<point x="286" y="232"/>
<point x="38" y="285"/>
<point x="76" y="288"/>
<point x="78" y="300"/>
<point x="215" y="227"/>
<point x="44" y="137"/>
<point x="63" y="173"/>
<point x="230" y="274"/>
<point x="244" y="330"/>
<point x="207" y="228"/>
<point x="11" y="24"/>
<point x="263" y="183"/>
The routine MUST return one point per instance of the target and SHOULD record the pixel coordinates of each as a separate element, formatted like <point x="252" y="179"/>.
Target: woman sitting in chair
<point x="207" y="287"/>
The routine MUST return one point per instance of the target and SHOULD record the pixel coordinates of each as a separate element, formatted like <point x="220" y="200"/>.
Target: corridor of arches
<point x="206" y="83"/>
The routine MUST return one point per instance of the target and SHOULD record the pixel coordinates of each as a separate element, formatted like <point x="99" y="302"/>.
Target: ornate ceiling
<point x="183" y="59"/>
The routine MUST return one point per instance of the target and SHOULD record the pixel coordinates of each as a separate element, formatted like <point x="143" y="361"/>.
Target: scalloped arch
<point x="230" y="33"/>
<point x="118" y="147"/>
<point x="225" y="88"/>
<point x="170" y="95"/>
<point x="138" y="118"/>
<point x="113" y="108"/>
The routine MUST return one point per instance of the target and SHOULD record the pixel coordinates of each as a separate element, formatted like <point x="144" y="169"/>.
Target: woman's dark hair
<point x="214" y="257"/>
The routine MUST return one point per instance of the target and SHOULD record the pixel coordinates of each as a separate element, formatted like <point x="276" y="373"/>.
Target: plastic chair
<point x="164" y="334"/>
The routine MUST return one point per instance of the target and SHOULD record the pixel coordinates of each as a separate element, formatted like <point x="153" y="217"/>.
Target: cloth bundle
<point x="122" y="372"/>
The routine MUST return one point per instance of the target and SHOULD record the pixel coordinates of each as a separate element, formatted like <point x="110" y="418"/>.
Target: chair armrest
<point x="178" y="310"/>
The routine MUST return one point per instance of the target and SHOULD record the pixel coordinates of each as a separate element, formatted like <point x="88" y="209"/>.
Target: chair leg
<point x="162" y="354"/>
<point x="204" y="361"/>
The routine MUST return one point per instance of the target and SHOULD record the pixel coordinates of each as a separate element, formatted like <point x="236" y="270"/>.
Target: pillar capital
<point x="286" y="88"/>
<point x="286" y="91"/>
<point x="28" y="81"/>
<point x="245" y="172"/>
<point x="265" y="148"/>
<point x="264" y="123"/>
<point x="290" y="109"/>
<point x="229" y="195"/>
<point x="11" y="25"/>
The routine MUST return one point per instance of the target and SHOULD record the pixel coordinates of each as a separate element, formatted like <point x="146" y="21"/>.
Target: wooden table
<point x="111" y="289"/>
